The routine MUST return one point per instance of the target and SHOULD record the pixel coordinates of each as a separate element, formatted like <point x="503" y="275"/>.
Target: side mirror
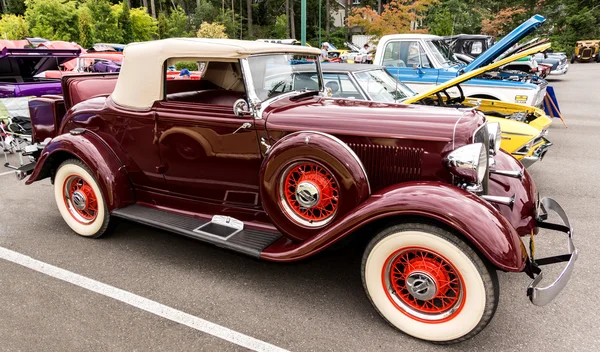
<point x="240" y="108"/>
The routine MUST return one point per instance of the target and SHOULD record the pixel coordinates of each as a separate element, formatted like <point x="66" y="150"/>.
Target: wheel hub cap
<point x="307" y="194"/>
<point x="79" y="200"/>
<point x="421" y="286"/>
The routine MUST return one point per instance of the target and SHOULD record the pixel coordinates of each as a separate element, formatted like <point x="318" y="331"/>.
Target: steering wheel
<point x="459" y="99"/>
<point x="440" y="100"/>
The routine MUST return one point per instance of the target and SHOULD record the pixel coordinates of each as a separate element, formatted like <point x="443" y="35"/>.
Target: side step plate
<point x="247" y="241"/>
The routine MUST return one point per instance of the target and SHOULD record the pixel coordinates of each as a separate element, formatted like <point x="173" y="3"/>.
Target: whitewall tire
<point x="428" y="283"/>
<point x="80" y="200"/>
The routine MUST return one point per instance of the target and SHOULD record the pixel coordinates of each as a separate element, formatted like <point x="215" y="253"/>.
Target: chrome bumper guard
<point x="543" y="295"/>
<point x="537" y="155"/>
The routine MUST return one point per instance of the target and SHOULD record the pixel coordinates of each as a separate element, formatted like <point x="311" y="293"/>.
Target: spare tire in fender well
<point x="334" y="159"/>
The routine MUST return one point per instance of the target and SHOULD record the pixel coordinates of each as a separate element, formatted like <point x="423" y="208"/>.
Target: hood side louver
<point x="388" y="165"/>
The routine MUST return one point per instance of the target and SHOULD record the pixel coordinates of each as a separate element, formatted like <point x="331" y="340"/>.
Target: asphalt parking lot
<point x="314" y="305"/>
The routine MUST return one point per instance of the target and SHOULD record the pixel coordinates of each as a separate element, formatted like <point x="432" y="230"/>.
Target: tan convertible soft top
<point x="141" y="78"/>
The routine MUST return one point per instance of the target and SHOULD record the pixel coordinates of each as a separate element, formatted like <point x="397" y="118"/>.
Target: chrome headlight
<point x="495" y="136"/>
<point x="469" y="162"/>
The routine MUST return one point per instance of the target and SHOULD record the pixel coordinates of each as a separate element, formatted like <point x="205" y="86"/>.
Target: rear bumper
<point x="543" y="295"/>
<point x="560" y="70"/>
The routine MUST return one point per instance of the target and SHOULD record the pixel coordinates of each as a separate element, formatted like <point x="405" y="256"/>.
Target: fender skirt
<point x="106" y="168"/>
<point x="479" y="222"/>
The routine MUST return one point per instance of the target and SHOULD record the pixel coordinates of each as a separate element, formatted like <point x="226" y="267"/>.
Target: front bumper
<point x="543" y="295"/>
<point x="536" y="153"/>
<point x="560" y="70"/>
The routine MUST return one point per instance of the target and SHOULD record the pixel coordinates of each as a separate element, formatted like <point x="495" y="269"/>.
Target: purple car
<point x="19" y="68"/>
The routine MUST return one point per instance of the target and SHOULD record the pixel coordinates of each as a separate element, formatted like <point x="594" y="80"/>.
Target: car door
<point x="408" y="61"/>
<point x="208" y="152"/>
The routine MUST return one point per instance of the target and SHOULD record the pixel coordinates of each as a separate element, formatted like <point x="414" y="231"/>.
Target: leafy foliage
<point x="52" y="19"/>
<point x="500" y="23"/>
<point x="211" y="30"/>
<point x="13" y="27"/>
<point x="86" y="23"/>
<point x="143" y="26"/>
<point x="399" y="16"/>
<point x="90" y="21"/>
<point x="124" y="18"/>
<point x="105" y="26"/>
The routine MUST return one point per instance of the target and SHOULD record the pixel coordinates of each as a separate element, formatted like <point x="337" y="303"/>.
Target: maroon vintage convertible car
<point x="280" y="171"/>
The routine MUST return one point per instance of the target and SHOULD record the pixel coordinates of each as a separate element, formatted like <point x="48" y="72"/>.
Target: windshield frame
<point x="253" y="98"/>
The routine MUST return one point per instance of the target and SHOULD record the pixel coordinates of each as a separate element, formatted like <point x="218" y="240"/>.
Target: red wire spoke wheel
<point x="423" y="284"/>
<point x="80" y="199"/>
<point x="309" y="194"/>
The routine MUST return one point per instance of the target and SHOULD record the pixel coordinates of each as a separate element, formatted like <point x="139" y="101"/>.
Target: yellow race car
<point x="524" y="128"/>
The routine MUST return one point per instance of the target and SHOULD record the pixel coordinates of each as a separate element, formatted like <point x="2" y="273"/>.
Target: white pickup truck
<point x="419" y="61"/>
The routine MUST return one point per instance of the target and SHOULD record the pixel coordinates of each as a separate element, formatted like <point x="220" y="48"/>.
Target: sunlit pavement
<point x="314" y="305"/>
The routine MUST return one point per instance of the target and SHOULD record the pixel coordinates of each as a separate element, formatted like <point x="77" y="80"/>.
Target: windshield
<point x="382" y="86"/>
<point x="442" y="52"/>
<point x="275" y="74"/>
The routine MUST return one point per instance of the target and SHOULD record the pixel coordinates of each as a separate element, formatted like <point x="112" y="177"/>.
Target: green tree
<point x="231" y="23"/>
<point x="52" y="19"/>
<point x="13" y="27"/>
<point x="143" y="26"/>
<point x="205" y="12"/>
<point x="174" y="25"/>
<point x="86" y="32"/>
<point x="280" y="27"/>
<point x="106" y="25"/>
<point x="16" y="7"/>
<point x="124" y="19"/>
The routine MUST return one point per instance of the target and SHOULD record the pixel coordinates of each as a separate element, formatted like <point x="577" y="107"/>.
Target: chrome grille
<point x="388" y="165"/>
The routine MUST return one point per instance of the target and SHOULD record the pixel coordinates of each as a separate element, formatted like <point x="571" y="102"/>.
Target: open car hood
<point x="509" y="40"/>
<point x="468" y="75"/>
<point x="34" y="61"/>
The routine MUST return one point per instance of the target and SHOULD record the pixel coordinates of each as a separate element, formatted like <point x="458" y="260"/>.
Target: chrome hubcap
<point x="421" y="286"/>
<point x="307" y="194"/>
<point x="79" y="200"/>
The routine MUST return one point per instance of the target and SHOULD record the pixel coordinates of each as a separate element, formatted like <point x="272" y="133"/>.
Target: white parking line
<point x="7" y="173"/>
<point x="139" y="302"/>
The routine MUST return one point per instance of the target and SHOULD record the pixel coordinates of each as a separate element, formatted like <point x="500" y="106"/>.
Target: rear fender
<point x="465" y="213"/>
<point x="87" y="147"/>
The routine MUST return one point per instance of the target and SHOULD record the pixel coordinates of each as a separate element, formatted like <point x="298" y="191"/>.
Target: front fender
<point x="105" y="166"/>
<point x="474" y="218"/>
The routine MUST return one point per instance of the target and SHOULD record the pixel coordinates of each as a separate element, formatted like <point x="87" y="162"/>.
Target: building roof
<point x="141" y="78"/>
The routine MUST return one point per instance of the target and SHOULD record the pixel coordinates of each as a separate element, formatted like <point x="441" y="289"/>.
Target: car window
<point x="341" y="86"/>
<point x="203" y="82"/>
<point x="476" y="48"/>
<point x="405" y="54"/>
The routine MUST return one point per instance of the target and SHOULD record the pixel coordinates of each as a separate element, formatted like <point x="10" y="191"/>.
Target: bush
<point x="13" y="27"/>
<point x="143" y="26"/>
<point x="190" y="65"/>
<point x="211" y="30"/>
<point x="52" y="19"/>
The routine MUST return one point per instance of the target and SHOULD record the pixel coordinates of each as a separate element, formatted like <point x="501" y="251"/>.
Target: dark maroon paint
<point x="185" y="158"/>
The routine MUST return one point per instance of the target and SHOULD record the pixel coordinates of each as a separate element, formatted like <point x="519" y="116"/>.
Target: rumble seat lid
<point x="505" y="43"/>
<point x="468" y="75"/>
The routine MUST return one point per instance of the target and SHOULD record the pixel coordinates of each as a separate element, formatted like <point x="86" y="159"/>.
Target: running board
<point x="222" y="231"/>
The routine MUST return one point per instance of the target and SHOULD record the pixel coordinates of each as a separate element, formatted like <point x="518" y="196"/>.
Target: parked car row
<point x="269" y="153"/>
